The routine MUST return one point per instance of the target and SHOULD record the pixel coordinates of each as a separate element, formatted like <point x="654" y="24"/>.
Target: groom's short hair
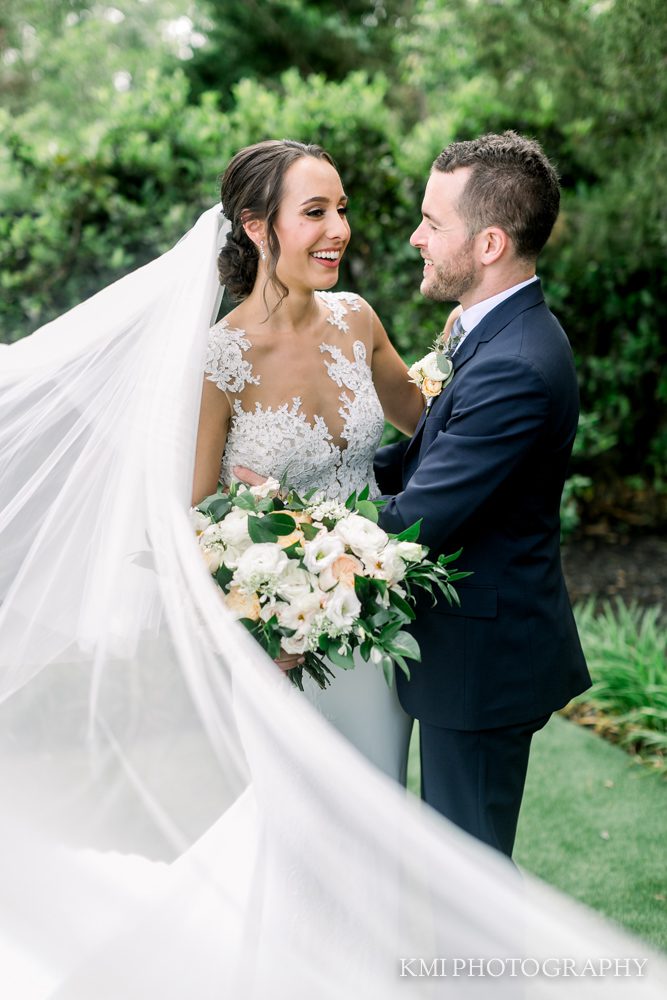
<point x="512" y="185"/>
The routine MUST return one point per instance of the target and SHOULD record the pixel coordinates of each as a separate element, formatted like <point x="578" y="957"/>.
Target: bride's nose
<point x="338" y="227"/>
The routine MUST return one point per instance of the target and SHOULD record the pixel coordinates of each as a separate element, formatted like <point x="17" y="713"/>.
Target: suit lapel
<point x="486" y="330"/>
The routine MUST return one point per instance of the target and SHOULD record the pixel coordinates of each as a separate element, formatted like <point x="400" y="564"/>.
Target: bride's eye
<point x="343" y="209"/>
<point x="315" y="213"/>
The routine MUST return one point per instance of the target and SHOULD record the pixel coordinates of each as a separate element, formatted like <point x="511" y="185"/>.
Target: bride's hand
<point x="288" y="661"/>
<point x="247" y="476"/>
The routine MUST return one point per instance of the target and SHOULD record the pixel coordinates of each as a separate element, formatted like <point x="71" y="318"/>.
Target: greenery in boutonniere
<point x="433" y="372"/>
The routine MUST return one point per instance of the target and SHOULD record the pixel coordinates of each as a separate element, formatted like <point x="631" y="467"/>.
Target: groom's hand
<point x="247" y="476"/>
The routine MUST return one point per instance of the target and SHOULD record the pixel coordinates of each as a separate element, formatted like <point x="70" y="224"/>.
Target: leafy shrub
<point x="626" y="651"/>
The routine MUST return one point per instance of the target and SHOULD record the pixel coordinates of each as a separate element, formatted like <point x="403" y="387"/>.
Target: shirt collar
<point x="476" y="313"/>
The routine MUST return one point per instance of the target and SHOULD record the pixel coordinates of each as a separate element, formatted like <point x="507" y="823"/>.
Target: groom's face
<point x="450" y="268"/>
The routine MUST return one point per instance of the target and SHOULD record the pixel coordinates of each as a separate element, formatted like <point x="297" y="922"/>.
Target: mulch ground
<point x="633" y="567"/>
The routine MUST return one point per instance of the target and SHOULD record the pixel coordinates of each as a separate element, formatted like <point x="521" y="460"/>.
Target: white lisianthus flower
<point x="387" y="565"/>
<point x="411" y="552"/>
<point x="200" y="522"/>
<point x="343" y="608"/>
<point x="361" y="535"/>
<point x="260" y="566"/>
<point x="321" y="552"/>
<point x="299" y="613"/>
<point x="294" y="582"/>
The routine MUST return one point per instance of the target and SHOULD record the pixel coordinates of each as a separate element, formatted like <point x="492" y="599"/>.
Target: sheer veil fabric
<point x="178" y="820"/>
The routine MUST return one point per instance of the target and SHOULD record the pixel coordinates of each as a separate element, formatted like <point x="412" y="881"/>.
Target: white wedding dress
<point x="178" y="822"/>
<point x="270" y="432"/>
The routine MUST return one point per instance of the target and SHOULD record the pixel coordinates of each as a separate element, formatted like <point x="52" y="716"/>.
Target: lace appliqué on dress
<point x="336" y="303"/>
<point x="282" y="442"/>
<point x="225" y="364"/>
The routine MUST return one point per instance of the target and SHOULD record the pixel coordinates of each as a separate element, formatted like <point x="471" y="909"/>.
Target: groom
<point x="485" y="470"/>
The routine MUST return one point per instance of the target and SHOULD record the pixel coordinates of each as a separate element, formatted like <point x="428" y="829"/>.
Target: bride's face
<point x="311" y="225"/>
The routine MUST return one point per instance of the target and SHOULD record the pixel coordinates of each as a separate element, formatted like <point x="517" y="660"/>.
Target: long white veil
<point x="177" y="820"/>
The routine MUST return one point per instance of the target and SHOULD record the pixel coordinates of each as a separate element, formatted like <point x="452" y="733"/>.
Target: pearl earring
<point x="261" y="250"/>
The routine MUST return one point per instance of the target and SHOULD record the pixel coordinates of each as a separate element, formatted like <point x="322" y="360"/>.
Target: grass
<point x="593" y="824"/>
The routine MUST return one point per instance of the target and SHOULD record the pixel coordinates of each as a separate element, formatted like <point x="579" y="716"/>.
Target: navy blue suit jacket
<point x="485" y="470"/>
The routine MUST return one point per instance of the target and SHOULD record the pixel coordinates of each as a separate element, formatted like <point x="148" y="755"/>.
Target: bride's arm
<point x="211" y="437"/>
<point x="401" y="400"/>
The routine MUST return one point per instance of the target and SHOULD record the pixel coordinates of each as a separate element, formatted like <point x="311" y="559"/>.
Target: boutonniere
<point x="432" y="373"/>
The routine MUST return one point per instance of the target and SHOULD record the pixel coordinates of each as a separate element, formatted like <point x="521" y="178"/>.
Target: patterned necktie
<point x="455" y="337"/>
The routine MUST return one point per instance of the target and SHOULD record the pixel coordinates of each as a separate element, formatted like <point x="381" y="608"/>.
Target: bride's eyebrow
<point x="322" y="200"/>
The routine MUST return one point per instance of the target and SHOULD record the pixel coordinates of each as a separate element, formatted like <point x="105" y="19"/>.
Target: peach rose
<point x="243" y="605"/>
<point x="431" y="387"/>
<point x="342" y="570"/>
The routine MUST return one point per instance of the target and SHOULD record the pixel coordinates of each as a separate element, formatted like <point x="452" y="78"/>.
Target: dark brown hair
<point x="512" y="185"/>
<point x="252" y="188"/>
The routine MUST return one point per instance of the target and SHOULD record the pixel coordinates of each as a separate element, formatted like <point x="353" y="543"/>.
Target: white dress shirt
<point x="470" y="317"/>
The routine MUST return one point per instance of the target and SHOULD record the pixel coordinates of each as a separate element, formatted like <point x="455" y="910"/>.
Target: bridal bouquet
<point x="318" y="577"/>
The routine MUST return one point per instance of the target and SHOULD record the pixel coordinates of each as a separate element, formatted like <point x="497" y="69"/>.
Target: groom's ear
<point x="494" y="243"/>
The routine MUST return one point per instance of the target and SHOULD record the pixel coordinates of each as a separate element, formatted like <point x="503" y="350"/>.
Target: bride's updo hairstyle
<point x="252" y="188"/>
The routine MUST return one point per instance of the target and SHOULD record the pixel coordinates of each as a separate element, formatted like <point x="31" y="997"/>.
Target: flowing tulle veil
<point x="178" y="821"/>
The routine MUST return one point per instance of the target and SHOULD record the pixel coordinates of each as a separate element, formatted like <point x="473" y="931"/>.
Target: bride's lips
<point x="329" y="262"/>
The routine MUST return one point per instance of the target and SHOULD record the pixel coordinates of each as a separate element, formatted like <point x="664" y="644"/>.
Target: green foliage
<point x="261" y="39"/>
<point x="94" y="182"/>
<point x="626" y="651"/>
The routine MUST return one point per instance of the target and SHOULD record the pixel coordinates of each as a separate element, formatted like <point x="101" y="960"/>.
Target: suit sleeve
<point x="388" y="466"/>
<point x="500" y="410"/>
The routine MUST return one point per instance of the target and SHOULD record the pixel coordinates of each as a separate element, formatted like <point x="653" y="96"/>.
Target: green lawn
<point x="594" y="825"/>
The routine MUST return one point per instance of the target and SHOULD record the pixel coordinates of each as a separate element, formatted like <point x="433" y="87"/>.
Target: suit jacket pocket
<point x="476" y="602"/>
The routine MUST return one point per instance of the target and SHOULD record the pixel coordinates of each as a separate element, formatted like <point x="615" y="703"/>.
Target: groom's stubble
<point x="451" y="279"/>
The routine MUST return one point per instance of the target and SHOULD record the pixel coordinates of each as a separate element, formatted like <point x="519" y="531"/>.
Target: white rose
<point x="411" y="552"/>
<point x="213" y="557"/>
<point x="262" y="562"/>
<point x="429" y="366"/>
<point x="321" y="552"/>
<point x="343" y="607"/>
<point x="361" y="535"/>
<point x="233" y="529"/>
<point x="265" y="488"/>
<point x="294" y="582"/>
<point x="294" y="644"/>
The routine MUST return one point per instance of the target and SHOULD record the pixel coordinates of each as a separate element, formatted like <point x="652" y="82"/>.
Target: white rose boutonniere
<point x="431" y="374"/>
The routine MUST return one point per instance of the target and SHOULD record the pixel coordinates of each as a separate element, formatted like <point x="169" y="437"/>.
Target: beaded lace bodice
<point x="278" y="438"/>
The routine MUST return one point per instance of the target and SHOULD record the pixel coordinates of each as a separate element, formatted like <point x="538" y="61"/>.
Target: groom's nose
<point x="417" y="238"/>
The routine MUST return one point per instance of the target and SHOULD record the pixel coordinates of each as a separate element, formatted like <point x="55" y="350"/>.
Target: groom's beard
<point x="450" y="281"/>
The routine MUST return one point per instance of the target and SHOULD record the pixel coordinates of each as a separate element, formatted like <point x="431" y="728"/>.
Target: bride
<point x="299" y="380"/>
<point x="177" y="820"/>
